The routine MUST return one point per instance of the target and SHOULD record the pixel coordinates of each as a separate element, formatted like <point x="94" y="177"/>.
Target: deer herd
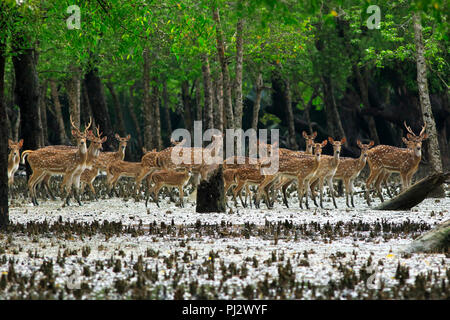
<point x="309" y="169"/>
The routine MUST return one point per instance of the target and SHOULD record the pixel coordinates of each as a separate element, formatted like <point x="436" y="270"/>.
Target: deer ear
<point x="330" y="139"/>
<point x="324" y="143"/>
<point x="314" y="134"/>
<point x="10" y="143"/>
<point x="128" y="137"/>
<point x="117" y="136"/>
<point x="275" y="144"/>
<point x="144" y="150"/>
<point x="343" y="140"/>
<point x="409" y="136"/>
<point x="405" y="140"/>
<point x="20" y="143"/>
<point x="104" y="139"/>
<point x="371" y="143"/>
<point x="424" y="136"/>
<point x="358" y="143"/>
<point x="304" y="134"/>
<point x="74" y="133"/>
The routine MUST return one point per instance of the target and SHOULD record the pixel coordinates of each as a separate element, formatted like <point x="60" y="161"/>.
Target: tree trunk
<point x="290" y="116"/>
<point x="218" y="110"/>
<point x="120" y="124"/>
<point x="62" y="137"/>
<point x="211" y="193"/>
<point x="364" y="94"/>
<point x="198" y="101"/>
<point x="259" y="85"/>
<point x="436" y="240"/>
<point x="4" y="215"/>
<point x="27" y="98"/>
<point x="43" y="107"/>
<point x="415" y="194"/>
<point x="73" y="88"/>
<point x="434" y="154"/>
<point x="157" y="142"/>
<point x="166" y="108"/>
<point x="334" y="123"/>
<point x="186" y="98"/>
<point x="85" y="107"/>
<point x="96" y="95"/>
<point x="208" y="91"/>
<point x="239" y="63"/>
<point x="134" y="118"/>
<point x="226" y="83"/>
<point x="147" y="107"/>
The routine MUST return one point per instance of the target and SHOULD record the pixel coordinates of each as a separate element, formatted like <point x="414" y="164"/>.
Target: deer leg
<point x="351" y="189"/>
<point x="283" y="191"/>
<point x="306" y="190"/>
<point x="31" y="184"/>
<point x="374" y="172"/>
<point x="46" y="183"/>
<point x="313" y="185"/>
<point x="331" y="187"/>
<point x="321" y="183"/>
<point x="156" y="189"/>
<point x="378" y="180"/>
<point x="181" y="196"/>
<point x="300" y="188"/>
<point x="237" y="191"/>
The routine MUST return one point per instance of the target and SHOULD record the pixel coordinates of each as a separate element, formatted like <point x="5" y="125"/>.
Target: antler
<point x="409" y="129"/>
<point x="88" y="126"/>
<point x="74" y="126"/>
<point x="423" y="130"/>
<point x="99" y="134"/>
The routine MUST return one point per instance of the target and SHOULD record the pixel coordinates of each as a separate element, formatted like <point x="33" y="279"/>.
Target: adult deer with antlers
<point x="13" y="159"/>
<point x="70" y="163"/>
<point x="93" y="153"/>
<point x="102" y="162"/>
<point x="388" y="159"/>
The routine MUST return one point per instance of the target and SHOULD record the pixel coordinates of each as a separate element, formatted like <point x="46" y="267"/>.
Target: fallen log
<point x="414" y="194"/>
<point x="435" y="240"/>
<point x="211" y="193"/>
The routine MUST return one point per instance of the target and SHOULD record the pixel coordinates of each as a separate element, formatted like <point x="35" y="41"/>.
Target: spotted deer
<point x="13" y="159"/>
<point x="93" y="154"/>
<point x="102" y="162"/>
<point x="349" y="169"/>
<point x="70" y="163"/>
<point x="301" y="167"/>
<point x="120" y="168"/>
<point x="326" y="171"/>
<point x="231" y="166"/>
<point x="385" y="159"/>
<point x="286" y="182"/>
<point x="168" y="178"/>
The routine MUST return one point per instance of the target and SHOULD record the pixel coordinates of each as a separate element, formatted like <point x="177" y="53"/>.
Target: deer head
<point x="81" y="137"/>
<point x="414" y="145"/>
<point x="15" y="148"/>
<point x="123" y="141"/>
<point x="337" y="145"/>
<point x="309" y="141"/>
<point x="412" y="136"/>
<point x="318" y="148"/>
<point x="365" y="148"/>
